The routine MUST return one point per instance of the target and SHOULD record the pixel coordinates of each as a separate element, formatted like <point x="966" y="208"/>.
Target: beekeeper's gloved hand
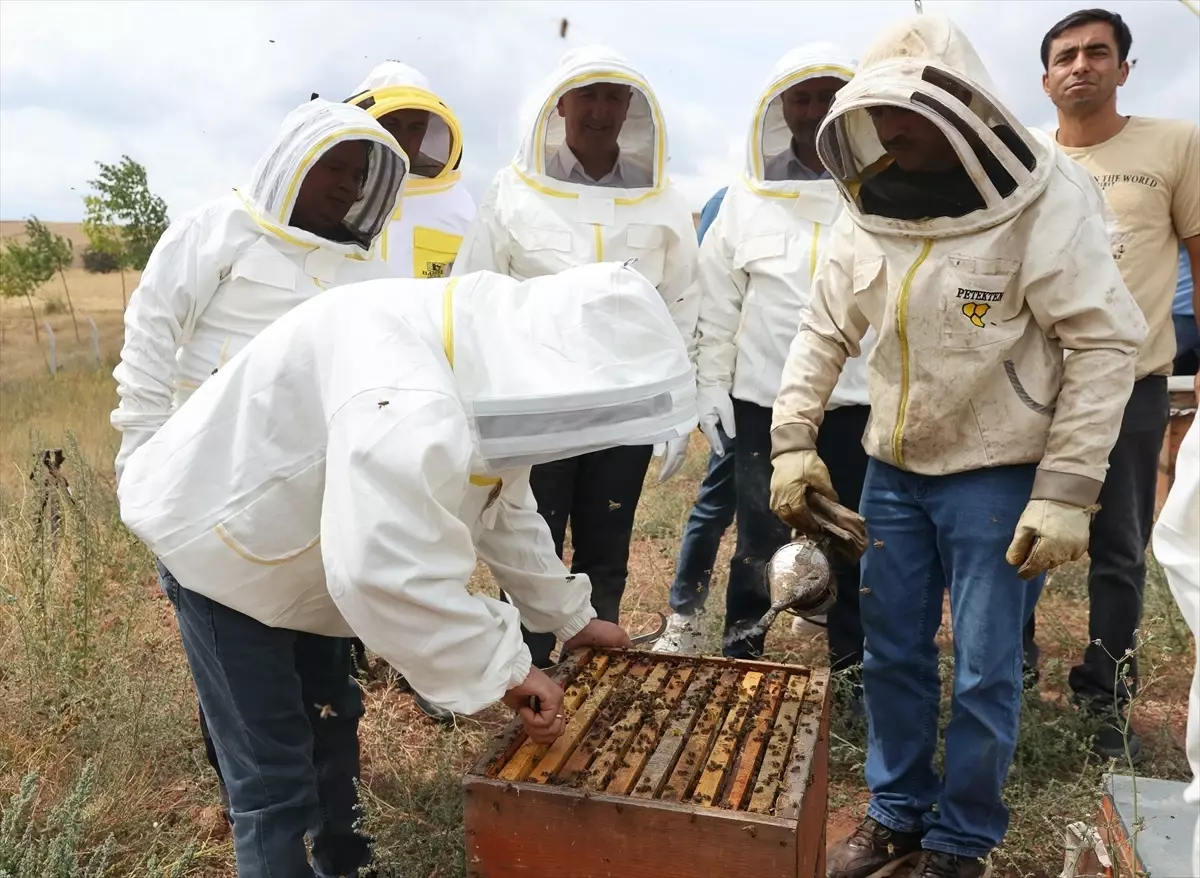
<point x="673" y="454"/>
<point x="716" y="410"/>
<point x="794" y="474"/>
<point x="1048" y="534"/>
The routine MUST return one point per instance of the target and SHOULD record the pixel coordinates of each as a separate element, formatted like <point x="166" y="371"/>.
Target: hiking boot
<point x="935" y="864"/>
<point x="869" y="848"/>
<point x="1109" y="743"/>
<point x="681" y="635"/>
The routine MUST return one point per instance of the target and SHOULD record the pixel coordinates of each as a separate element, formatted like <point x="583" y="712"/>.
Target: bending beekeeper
<point x="426" y="231"/>
<point x="340" y="476"/>
<point x="308" y="220"/>
<point x="755" y="271"/>
<point x="978" y="253"/>
<point x="590" y="184"/>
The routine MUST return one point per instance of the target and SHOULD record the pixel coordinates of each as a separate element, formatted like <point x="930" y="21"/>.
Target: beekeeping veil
<point x="393" y="86"/>
<point x="927" y="65"/>
<point x="643" y="137"/>
<point x="307" y="133"/>
<point x="563" y="364"/>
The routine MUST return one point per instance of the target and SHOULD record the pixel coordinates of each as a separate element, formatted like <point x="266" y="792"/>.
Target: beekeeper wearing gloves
<point x="308" y="220"/>
<point x="756" y="266"/>
<point x="427" y="228"/>
<point x="976" y="251"/>
<point x="340" y="476"/>
<point x="590" y="184"/>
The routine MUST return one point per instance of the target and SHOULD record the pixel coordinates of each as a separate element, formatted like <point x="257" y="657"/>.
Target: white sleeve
<point x="486" y="244"/>
<point x="722" y="289"/>
<point x="397" y="557"/>
<point x="519" y="551"/>
<point x="181" y="275"/>
<point x="678" y="287"/>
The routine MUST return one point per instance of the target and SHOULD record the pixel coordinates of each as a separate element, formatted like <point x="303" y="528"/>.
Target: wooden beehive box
<point x="670" y="767"/>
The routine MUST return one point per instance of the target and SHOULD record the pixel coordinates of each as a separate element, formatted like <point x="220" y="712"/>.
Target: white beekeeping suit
<point x="973" y="311"/>
<point x="531" y="223"/>
<point x="322" y="481"/>
<point x="1177" y="548"/>
<point x="428" y="226"/>
<point x="760" y="254"/>
<point x="223" y="273"/>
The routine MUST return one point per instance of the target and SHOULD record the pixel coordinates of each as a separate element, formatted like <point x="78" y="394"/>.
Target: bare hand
<point x="547" y="724"/>
<point x="598" y="633"/>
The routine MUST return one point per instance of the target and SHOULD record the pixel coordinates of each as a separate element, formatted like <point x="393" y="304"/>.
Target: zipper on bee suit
<point x="599" y="242"/>
<point x="902" y="334"/>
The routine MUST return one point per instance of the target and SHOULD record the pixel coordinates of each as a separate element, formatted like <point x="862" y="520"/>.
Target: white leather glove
<point x="793" y="474"/>
<point x="673" y="453"/>
<point x="1048" y="534"/>
<point x="715" y="408"/>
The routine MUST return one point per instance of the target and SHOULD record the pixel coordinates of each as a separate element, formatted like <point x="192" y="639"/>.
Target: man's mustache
<point x="896" y="143"/>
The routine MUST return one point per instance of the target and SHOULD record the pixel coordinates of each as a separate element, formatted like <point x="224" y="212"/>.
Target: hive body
<point x="670" y="766"/>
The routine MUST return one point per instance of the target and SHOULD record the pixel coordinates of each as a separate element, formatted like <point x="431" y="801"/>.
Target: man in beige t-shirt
<point x="1149" y="170"/>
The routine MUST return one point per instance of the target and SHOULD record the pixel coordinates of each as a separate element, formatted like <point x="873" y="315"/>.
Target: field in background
<point x="97" y="696"/>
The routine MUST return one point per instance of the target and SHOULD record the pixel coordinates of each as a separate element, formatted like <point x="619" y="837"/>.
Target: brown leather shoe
<point x="869" y="848"/>
<point x="934" y="864"/>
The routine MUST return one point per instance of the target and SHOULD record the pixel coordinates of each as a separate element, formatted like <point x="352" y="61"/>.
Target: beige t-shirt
<point x="1150" y="174"/>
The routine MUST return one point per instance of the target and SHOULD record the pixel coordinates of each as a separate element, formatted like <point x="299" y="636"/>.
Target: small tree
<point x="52" y="253"/>
<point x="18" y="277"/>
<point x="124" y="218"/>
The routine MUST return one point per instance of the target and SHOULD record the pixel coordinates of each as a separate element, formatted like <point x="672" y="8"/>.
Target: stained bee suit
<point x="224" y="272"/>
<point x="427" y="228"/>
<point x="344" y="501"/>
<point x="985" y="440"/>
<point x="755" y="272"/>
<point x="540" y="216"/>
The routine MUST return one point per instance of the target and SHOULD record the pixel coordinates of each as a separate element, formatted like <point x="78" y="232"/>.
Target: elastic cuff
<point x="577" y="623"/>
<point x="521" y="665"/>
<point x="1065" y="488"/>
<point x="792" y="437"/>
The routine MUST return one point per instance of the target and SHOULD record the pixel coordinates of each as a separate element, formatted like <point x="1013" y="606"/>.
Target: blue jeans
<point x="1187" y="334"/>
<point x="283" y="711"/>
<point x="708" y="521"/>
<point x="928" y="534"/>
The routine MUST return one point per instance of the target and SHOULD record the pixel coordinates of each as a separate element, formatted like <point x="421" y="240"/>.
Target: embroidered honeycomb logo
<point x="974" y="312"/>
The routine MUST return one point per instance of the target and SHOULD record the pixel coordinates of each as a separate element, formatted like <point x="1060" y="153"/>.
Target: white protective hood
<point x="643" y="138"/>
<point x="559" y="365"/>
<point x="307" y="133"/>
<point x="769" y="134"/>
<point x="908" y="67"/>
<point x="394" y="86"/>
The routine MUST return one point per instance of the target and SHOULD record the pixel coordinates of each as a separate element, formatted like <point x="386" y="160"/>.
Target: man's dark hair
<point x="1086" y="16"/>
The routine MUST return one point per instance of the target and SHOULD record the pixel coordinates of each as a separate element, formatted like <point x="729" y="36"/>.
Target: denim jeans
<point x="760" y="532"/>
<point x="283" y="711"/>
<point x="709" y="519"/>
<point x="927" y="535"/>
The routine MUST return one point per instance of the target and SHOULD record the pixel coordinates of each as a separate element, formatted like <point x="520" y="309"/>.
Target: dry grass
<point x="91" y="666"/>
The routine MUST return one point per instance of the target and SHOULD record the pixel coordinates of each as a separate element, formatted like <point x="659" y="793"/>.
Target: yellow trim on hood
<point x="343" y="134"/>
<point x="410" y="97"/>
<point x="558" y="193"/>
<point x="776" y="89"/>
<point x="414" y="186"/>
<point x="660" y="148"/>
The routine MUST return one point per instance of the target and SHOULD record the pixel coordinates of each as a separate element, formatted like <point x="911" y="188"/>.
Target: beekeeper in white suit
<point x="590" y="184"/>
<point x="755" y="270"/>
<point x="976" y="250"/>
<point x="427" y="228"/>
<point x="308" y="220"/>
<point x="1177" y="549"/>
<point x="340" y="476"/>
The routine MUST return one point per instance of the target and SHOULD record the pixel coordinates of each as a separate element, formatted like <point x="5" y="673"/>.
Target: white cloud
<point x="195" y="91"/>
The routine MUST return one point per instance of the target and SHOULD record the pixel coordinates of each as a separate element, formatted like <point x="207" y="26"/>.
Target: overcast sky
<point x="196" y="90"/>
